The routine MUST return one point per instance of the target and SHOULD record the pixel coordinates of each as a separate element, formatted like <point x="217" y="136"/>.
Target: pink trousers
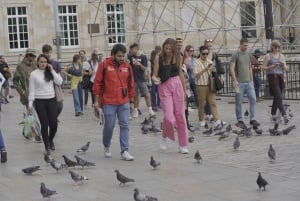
<point x="171" y="96"/>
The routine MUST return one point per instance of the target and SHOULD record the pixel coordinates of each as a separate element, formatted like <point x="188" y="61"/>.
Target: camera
<point x="124" y="92"/>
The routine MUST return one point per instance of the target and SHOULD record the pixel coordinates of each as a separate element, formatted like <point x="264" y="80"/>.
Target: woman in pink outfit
<point x="168" y="72"/>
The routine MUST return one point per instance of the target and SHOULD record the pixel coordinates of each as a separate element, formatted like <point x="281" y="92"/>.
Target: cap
<point x="31" y="51"/>
<point x="258" y="52"/>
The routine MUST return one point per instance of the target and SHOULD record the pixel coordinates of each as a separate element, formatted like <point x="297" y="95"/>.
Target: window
<point x="248" y="19"/>
<point x="17" y="28"/>
<point x="68" y="23"/>
<point x="115" y="23"/>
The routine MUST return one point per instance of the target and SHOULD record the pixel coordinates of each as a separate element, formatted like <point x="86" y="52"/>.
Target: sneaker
<point x="255" y="124"/>
<point x="286" y="120"/>
<point x="163" y="144"/>
<point x="183" y="150"/>
<point x="240" y="124"/>
<point x="107" y="153"/>
<point x="152" y="113"/>
<point x="3" y="156"/>
<point x="126" y="156"/>
<point x="135" y="114"/>
<point x="202" y="123"/>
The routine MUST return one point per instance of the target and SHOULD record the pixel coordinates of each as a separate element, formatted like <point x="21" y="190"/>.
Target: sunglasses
<point x="276" y="46"/>
<point x="204" y="53"/>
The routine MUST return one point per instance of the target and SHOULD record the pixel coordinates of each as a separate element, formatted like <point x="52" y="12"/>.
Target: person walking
<point x="41" y="92"/>
<point x="5" y="71"/>
<point x="139" y="64"/>
<point x="241" y="74"/>
<point x="47" y="50"/>
<point x="256" y="72"/>
<point x="275" y="65"/>
<point x="154" y="87"/>
<point x="203" y="70"/>
<point x="75" y="71"/>
<point x="21" y="75"/>
<point x="114" y="95"/>
<point x="168" y="72"/>
<point x="86" y="76"/>
<point x="3" y="152"/>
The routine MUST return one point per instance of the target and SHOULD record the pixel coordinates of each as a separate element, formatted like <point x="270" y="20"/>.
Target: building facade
<point x="87" y="24"/>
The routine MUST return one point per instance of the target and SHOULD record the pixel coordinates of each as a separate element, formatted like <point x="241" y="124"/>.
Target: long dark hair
<point x="176" y="55"/>
<point x="47" y="73"/>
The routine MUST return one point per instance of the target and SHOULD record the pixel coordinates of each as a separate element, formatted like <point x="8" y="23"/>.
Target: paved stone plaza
<point x="224" y="175"/>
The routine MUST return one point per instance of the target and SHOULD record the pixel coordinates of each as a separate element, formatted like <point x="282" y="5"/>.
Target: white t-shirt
<point x="94" y="69"/>
<point x="39" y="88"/>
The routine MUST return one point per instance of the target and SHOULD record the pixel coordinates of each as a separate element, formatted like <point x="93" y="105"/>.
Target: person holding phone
<point x="203" y="68"/>
<point x="41" y="93"/>
<point x="275" y="65"/>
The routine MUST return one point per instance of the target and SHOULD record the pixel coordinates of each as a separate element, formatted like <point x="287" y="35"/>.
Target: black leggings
<point x="86" y="94"/>
<point x="46" y="110"/>
<point x="276" y="87"/>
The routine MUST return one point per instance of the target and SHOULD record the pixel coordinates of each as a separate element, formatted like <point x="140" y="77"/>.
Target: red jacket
<point x="108" y="85"/>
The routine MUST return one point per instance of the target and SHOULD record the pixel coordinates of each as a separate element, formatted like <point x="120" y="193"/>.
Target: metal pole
<point x="57" y="29"/>
<point x="269" y="26"/>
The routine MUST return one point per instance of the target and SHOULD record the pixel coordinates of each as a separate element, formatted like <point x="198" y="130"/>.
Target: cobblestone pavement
<point x="224" y="175"/>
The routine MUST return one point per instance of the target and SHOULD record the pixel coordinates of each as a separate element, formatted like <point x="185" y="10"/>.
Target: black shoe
<point x="241" y="124"/>
<point x="80" y="113"/>
<point x="77" y="114"/>
<point x="3" y="156"/>
<point x="255" y="124"/>
<point x="52" y="146"/>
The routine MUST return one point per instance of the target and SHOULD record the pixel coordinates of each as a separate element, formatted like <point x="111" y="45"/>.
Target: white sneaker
<point x="152" y="113"/>
<point x="107" y="153"/>
<point x="217" y="123"/>
<point x="127" y="157"/>
<point x="163" y="144"/>
<point x="135" y="114"/>
<point x="202" y="123"/>
<point x="183" y="150"/>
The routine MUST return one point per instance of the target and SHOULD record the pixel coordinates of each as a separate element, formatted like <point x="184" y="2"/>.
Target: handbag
<point x="218" y="83"/>
<point x="86" y="84"/>
<point x="212" y="83"/>
<point x="58" y="93"/>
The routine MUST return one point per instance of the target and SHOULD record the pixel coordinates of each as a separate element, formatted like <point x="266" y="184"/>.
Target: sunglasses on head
<point x="208" y="40"/>
<point x="191" y="50"/>
<point x="204" y="53"/>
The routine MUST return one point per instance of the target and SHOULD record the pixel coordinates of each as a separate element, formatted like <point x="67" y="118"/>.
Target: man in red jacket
<point x="114" y="94"/>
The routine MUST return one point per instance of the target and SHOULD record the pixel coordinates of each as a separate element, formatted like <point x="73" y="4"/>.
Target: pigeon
<point x="218" y="127"/>
<point x="206" y="125"/>
<point x="57" y="166"/>
<point x="47" y="158"/>
<point x="223" y="136"/>
<point x="271" y="153"/>
<point x="236" y="143"/>
<point x="248" y="132"/>
<point x="238" y="132"/>
<point x="84" y="148"/>
<point x="261" y="182"/>
<point x="141" y="197"/>
<point x="228" y="128"/>
<point x="46" y="193"/>
<point x="122" y="179"/>
<point x="191" y="139"/>
<point x="76" y="177"/>
<point x="287" y="130"/>
<point x="208" y="132"/>
<point x="145" y="122"/>
<point x="246" y="114"/>
<point x="81" y="162"/>
<point x="69" y="162"/>
<point x="145" y="129"/>
<point x="154" y="129"/>
<point x="220" y="132"/>
<point x="197" y="156"/>
<point x="154" y="163"/>
<point x="258" y="131"/>
<point x="31" y="170"/>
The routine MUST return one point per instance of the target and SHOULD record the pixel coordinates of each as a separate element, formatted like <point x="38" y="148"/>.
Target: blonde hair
<point x="274" y="43"/>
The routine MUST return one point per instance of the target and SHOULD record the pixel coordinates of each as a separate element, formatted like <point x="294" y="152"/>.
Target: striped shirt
<point x="198" y="67"/>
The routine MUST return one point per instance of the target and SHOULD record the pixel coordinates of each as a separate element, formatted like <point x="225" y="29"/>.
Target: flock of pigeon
<point x="47" y="193"/>
<point x="148" y="125"/>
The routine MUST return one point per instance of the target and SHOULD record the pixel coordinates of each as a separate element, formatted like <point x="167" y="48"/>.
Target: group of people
<point x="117" y="82"/>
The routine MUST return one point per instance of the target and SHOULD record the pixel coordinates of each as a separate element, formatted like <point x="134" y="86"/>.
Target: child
<point x="3" y="152"/>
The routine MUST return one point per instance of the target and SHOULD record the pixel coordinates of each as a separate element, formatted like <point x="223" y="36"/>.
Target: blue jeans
<point x="194" y="90"/>
<point x="257" y="82"/>
<point x="245" y="88"/>
<point x="154" y="95"/>
<point x="2" y="146"/>
<point x="122" y="112"/>
<point x="78" y="99"/>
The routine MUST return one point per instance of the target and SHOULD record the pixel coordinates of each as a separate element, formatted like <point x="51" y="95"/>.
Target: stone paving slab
<point x="224" y="175"/>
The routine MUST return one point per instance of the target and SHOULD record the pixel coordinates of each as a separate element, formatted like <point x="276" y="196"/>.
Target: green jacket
<point x="21" y="83"/>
